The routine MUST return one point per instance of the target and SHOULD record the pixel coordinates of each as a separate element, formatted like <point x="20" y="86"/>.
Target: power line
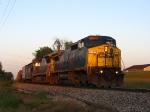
<point x="5" y="11"/>
<point x="0" y="2"/>
<point x="14" y="65"/>
<point x="8" y="14"/>
<point x="13" y="61"/>
<point x="12" y="55"/>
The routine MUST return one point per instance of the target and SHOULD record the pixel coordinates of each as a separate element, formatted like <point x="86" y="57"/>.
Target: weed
<point x="8" y="100"/>
<point x="6" y="83"/>
<point x="42" y="95"/>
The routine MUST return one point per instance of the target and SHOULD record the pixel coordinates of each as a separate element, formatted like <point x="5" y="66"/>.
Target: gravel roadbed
<point x="115" y="100"/>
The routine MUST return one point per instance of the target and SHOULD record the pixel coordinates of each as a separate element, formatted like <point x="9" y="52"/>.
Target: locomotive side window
<point x="43" y="61"/>
<point x="48" y="60"/>
<point x="74" y="47"/>
<point x="56" y="58"/>
<point x="81" y="44"/>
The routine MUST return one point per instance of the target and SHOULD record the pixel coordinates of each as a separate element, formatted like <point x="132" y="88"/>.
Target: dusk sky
<point x="31" y="24"/>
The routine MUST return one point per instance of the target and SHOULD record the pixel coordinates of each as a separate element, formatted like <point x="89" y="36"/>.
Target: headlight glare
<point x="101" y="71"/>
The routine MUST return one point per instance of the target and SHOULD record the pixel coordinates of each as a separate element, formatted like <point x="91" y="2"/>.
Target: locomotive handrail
<point x="123" y="64"/>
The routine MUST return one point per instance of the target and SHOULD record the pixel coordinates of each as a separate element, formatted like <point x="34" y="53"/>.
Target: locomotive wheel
<point x="109" y="86"/>
<point x="86" y="83"/>
<point x="56" y="80"/>
<point x="51" y="81"/>
<point x="94" y="85"/>
<point x="81" y="83"/>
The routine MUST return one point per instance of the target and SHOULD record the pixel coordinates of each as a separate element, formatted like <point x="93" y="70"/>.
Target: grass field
<point x="137" y="80"/>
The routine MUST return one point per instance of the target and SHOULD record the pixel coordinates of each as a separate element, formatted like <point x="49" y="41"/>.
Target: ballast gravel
<point x="115" y="100"/>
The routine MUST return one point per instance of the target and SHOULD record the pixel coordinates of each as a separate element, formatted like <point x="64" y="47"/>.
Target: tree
<point x="68" y="44"/>
<point x="1" y="71"/>
<point x="58" y="44"/>
<point x="8" y="76"/>
<point x="1" y="67"/>
<point x="5" y="75"/>
<point x="41" y="52"/>
<point x="61" y="44"/>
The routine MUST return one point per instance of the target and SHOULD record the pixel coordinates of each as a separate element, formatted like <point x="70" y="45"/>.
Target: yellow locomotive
<point x="93" y="60"/>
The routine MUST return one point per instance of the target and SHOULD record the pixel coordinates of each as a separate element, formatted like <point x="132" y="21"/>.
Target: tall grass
<point x="4" y="84"/>
<point x="8" y="100"/>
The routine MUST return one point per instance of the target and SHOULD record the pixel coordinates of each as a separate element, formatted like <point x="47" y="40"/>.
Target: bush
<point x="6" y="83"/>
<point x="8" y="100"/>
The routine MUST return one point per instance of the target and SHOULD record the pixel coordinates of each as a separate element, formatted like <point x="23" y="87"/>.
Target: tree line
<point x="5" y="75"/>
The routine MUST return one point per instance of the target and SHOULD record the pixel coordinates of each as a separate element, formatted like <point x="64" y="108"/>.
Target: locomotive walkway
<point x="122" y="100"/>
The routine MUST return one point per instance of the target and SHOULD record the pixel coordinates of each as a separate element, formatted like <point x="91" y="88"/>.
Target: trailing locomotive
<point x="93" y="60"/>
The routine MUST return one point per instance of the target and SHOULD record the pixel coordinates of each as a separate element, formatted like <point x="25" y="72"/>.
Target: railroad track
<point x="113" y="99"/>
<point x="101" y="88"/>
<point x="84" y="101"/>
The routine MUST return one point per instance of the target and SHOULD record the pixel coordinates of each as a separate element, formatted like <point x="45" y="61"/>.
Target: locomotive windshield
<point x="92" y="41"/>
<point x="110" y="42"/>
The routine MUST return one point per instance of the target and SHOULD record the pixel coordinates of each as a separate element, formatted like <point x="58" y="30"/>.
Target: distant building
<point x="145" y="67"/>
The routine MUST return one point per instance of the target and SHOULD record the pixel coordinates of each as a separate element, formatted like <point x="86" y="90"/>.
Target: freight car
<point x="94" y="60"/>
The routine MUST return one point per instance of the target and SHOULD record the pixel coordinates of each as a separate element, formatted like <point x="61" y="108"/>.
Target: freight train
<point x="94" y="60"/>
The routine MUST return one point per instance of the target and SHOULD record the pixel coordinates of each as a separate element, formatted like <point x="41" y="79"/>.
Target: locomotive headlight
<point x="116" y="72"/>
<point x="101" y="71"/>
<point x="105" y="49"/>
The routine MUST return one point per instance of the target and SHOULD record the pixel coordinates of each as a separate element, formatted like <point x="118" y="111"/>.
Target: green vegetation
<point x="59" y="44"/>
<point x="41" y="52"/>
<point x="139" y="79"/>
<point x="141" y="74"/>
<point x="7" y="76"/>
<point x="12" y="100"/>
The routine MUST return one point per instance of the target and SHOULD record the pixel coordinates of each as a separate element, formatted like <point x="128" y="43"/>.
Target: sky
<point x="26" y="25"/>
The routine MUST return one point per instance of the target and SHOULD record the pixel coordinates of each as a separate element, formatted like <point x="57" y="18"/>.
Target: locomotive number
<point x="101" y="55"/>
